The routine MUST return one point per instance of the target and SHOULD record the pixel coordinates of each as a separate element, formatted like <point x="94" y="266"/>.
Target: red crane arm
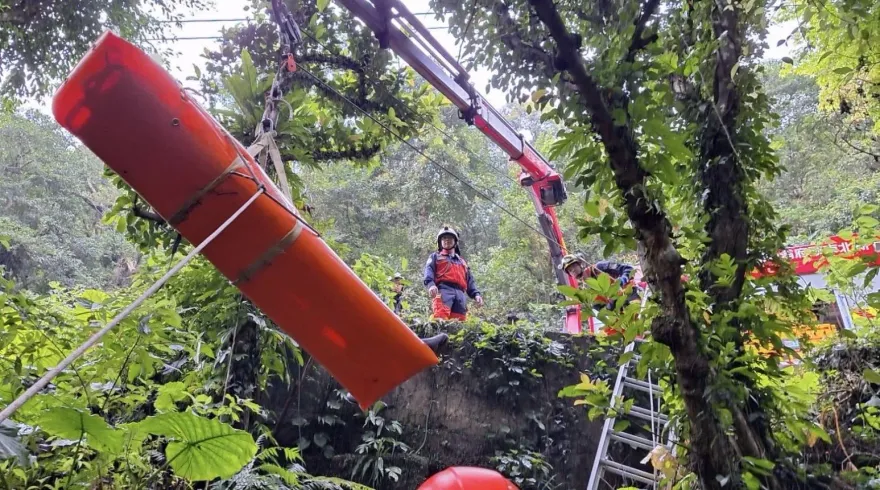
<point x="398" y="29"/>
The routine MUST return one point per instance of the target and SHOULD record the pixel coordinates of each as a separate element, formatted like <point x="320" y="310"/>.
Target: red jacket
<point x="445" y="267"/>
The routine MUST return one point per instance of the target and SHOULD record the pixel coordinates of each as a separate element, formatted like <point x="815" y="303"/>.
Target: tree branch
<point x="338" y="61"/>
<point x="148" y="215"/>
<point x="721" y="174"/>
<point x="514" y="39"/>
<point x="639" y="42"/>
<point x="593" y="19"/>
<point x="371" y="106"/>
<point x="350" y="153"/>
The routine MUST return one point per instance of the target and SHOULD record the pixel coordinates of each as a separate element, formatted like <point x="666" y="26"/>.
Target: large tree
<point x="663" y="114"/>
<point x="41" y="41"/>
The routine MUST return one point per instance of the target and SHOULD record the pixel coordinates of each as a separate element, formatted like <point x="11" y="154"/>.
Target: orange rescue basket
<point x="134" y="116"/>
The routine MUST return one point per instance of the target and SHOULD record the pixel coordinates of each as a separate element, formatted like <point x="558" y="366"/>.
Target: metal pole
<point x="843" y="309"/>
<point x="73" y="356"/>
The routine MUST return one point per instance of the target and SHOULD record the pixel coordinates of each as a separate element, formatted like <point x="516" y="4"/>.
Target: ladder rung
<point x="629" y="472"/>
<point x="632" y="440"/>
<point x="645" y="414"/>
<point x="641" y="385"/>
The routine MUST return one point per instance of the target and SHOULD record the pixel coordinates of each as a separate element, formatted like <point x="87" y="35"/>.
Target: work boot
<point x="436" y="342"/>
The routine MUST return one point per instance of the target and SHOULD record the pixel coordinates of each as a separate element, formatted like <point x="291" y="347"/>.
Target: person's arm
<point x="621" y="272"/>
<point x="625" y="272"/>
<point x="472" y="290"/>
<point x="429" y="276"/>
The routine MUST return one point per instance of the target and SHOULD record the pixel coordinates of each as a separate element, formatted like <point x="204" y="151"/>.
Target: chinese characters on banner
<point x="808" y="259"/>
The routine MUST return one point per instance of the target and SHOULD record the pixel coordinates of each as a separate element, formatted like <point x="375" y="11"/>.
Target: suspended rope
<point x="264" y="147"/>
<point x="73" y="356"/>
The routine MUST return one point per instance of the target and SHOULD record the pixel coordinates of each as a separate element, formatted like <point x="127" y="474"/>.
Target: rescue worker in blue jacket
<point x="448" y="278"/>
<point x="579" y="268"/>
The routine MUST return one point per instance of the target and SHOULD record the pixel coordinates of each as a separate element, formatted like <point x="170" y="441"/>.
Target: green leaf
<point x="752" y="482"/>
<point x="820" y="433"/>
<point x="169" y="395"/>
<point x="871" y="376"/>
<point x="200" y="448"/>
<point x="868" y="209"/>
<point x="290" y="478"/>
<point x="625" y="357"/>
<point x="320" y="439"/>
<point x="248" y="69"/>
<point x="70" y="423"/>
<point x="322" y="4"/>
<point x="537" y="94"/>
<point x="759" y="464"/>
<point x="843" y="70"/>
<point x="867" y="222"/>
<point x="869" y="277"/>
<point x="786" y="59"/>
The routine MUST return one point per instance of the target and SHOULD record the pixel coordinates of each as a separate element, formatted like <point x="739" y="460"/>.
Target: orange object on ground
<point x="131" y="113"/>
<point x="467" y="478"/>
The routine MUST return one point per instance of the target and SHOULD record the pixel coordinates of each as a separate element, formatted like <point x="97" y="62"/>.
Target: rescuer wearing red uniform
<point x="448" y="278"/>
<point x="578" y="267"/>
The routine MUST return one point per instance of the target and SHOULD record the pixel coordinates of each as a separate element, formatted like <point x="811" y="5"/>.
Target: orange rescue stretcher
<point x="134" y="116"/>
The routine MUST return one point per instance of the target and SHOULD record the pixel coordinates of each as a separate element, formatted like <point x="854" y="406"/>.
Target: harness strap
<point x="266" y="258"/>
<point x="265" y="148"/>
<point x="181" y="214"/>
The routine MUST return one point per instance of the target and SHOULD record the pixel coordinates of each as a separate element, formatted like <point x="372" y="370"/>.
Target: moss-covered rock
<point x="491" y="402"/>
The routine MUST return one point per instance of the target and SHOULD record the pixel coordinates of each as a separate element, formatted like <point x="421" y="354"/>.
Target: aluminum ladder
<point x="651" y="417"/>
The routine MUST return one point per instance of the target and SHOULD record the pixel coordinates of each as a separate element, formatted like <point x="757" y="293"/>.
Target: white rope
<point x="73" y="356"/>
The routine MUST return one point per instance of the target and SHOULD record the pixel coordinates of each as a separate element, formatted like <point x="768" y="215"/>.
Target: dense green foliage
<point x="827" y="172"/>
<point x="838" y="44"/>
<point x="682" y="150"/>
<point x="41" y="41"/>
<point x="52" y="198"/>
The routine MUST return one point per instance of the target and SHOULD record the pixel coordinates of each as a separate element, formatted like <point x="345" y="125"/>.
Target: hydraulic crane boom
<point x="398" y="29"/>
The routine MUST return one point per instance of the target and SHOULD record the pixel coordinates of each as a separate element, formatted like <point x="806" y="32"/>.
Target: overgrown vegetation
<point x="682" y="149"/>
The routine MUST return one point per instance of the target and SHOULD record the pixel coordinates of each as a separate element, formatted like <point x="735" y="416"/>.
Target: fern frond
<point x="289" y="477"/>
<point x="332" y="483"/>
<point x="292" y="455"/>
<point x="267" y="454"/>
